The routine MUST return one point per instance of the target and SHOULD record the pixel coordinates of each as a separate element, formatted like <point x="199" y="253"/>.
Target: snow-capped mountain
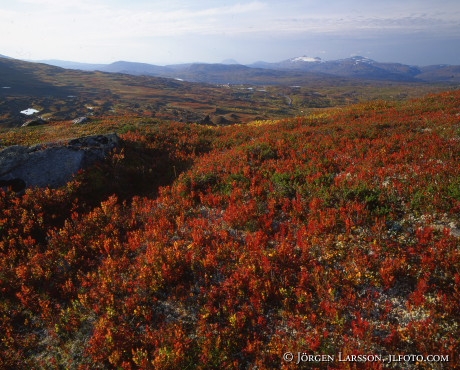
<point x="355" y="67"/>
<point x="303" y="62"/>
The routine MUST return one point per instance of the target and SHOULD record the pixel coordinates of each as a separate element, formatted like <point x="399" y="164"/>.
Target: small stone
<point x="80" y="120"/>
<point x="34" y="122"/>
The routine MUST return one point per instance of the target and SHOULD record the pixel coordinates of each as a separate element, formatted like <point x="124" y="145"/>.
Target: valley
<point x="66" y="94"/>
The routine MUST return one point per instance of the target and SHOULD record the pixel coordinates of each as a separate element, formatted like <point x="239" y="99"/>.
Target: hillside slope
<point x="197" y="247"/>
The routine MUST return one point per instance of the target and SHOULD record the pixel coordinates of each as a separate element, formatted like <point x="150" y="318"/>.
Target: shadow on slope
<point x="134" y="169"/>
<point x="18" y="78"/>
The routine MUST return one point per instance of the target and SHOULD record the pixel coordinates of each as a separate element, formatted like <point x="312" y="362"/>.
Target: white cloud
<point x="57" y="19"/>
<point x="52" y="18"/>
<point x="185" y="21"/>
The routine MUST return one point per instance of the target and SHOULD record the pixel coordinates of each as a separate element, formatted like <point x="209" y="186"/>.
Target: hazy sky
<point x="418" y="32"/>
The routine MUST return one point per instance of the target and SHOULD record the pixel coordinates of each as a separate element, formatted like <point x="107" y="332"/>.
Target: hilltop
<point x="199" y="247"/>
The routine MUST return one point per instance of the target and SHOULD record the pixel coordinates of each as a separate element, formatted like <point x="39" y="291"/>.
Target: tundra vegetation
<point x="200" y="247"/>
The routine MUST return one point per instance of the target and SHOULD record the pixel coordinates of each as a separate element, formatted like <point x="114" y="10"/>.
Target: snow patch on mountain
<point x="359" y="59"/>
<point x="305" y="59"/>
<point x="29" y="111"/>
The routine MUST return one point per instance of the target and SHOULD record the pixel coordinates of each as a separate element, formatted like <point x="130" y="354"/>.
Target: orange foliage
<point x="315" y="235"/>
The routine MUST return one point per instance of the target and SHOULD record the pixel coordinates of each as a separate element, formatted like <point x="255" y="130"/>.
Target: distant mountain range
<point x="261" y="72"/>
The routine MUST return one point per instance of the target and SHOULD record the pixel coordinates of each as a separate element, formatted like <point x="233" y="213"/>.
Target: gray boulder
<point x="52" y="164"/>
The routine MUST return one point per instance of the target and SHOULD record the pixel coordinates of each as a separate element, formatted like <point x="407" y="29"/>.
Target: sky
<point x="417" y="32"/>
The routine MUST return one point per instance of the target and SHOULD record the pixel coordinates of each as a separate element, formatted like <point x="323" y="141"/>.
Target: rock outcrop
<point x="34" y="122"/>
<point x="52" y="164"/>
<point x="80" y="120"/>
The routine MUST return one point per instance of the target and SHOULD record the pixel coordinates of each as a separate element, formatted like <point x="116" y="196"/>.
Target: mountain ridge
<point x="358" y="67"/>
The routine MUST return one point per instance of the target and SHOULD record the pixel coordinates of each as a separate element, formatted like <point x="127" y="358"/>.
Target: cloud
<point x="185" y="21"/>
<point x="90" y="18"/>
<point x="351" y="24"/>
<point x="52" y="18"/>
